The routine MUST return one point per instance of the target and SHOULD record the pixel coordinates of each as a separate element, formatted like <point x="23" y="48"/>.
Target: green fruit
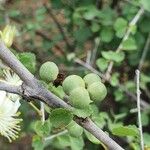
<point x="74" y="129"/>
<point x="97" y="91"/>
<point x="49" y="71"/>
<point x="79" y="98"/>
<point x="91" y="78"/>
<point x="72" y="82"/>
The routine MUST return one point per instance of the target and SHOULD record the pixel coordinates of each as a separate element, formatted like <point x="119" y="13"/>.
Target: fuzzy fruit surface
<point x="72" y="82"/>
<point x="97" y="91"/>
<point x="49" y="71"/>
<point x="91" y="78"/>
<point x="74" y="129"/>
<point x="79" y="98"/>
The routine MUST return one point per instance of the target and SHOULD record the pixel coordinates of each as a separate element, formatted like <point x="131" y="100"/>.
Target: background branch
<point x="58" y="26"/>
<point x="145" y="50"/>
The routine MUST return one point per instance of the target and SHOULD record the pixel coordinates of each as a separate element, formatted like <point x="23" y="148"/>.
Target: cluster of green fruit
<point x="81" y="92"/>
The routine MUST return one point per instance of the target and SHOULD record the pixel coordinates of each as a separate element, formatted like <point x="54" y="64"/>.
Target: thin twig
<point x="44" y="36"/>
<point x="42" y="109"/>
<point x="35" y="108"/>
<point x="139" y="109"/>
<point x="55" y="135"/>
<point x="89" y="67"/>
<point x="146" y="48"/>
<point x="88" y="57"/>
<point x="129" y="30"/>
<point x="97" y="43"/>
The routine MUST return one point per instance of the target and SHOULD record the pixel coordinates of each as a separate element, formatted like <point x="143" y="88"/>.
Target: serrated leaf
<point x="37" y="143"/>
<point x="129" y="44"/>
<point x="145" y="119"/>
<point x="42" y="129"/>
<point x="118" y="95"/>
<point x="111" y="55"/>
<point x="114" y="81"/>
<point x="146" y="4"/>
<point x="76" y="143"/>
<point x="86" y="33"/>
<point x="121" y="130"/>
<point x="106" y="34"/>
<point x="83" y="113"/>
<point x="91" y="137"/>
<point x="102" y="64"/>
<point x="120" y="27"/>
<point x="146" y="139"/>
<point x="91" y="13"/>
<point x="62" y="141"/>
<point x="28" y="60"/>
<point x="95" y="27"/>
<point x="60" y="117"/>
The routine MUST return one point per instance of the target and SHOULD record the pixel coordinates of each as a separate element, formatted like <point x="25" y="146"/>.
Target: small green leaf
<point x="145" y="78"/>
<point x="129" y="44"/>
<point x="74" y="129"/>
<point x="133" y="29"/>
<point x="146" y="139"/>
<point x="114" y="81"/>
<point x="86" y="112"/>
<point x="118" y="95"/>
<point x="28" y="60"/>
<point x="90" y="12"/>
<point x="120" y="27"/>
<point x="121" y="130"/>
<point x="106" y="35"/>
<point x="146" y="4"/>
<point x="60" y="117"/>
<point x="111" y="55"/>
<point x="82" y="34"/>
<point x="37" y="143"/>
<point x="95" y="27"/>
<point x="145" y="119"/>
<point x="42" y="129"/>
<point x="76" y="143"/>
<point x="62" y="141"/>
<point x="101" y="119"/>
<point x="58" y="91"/>
<point x="91" y="137"/>
<point x="102" y="64"/>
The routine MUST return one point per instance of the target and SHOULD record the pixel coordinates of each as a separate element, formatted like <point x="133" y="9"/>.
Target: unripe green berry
<point x="79" y="98"/>
<point x="91" y="78"/>
<point x="74" y="129"/>
<point x="49" y="71"/>
<point x="72" y="82"/>
<point x="97" y="91"/>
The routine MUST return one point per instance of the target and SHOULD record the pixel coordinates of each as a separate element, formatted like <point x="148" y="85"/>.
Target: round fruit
<point x="97" y="91"/>
<point x="91" y="78"/>
<point x="79" y="98"/>
<point x="72" y="82"/>
<point x="49" y="71"/>
<point x="74" y="129"/>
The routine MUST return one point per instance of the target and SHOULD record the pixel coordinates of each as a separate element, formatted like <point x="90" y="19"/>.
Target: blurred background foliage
<point x="87" y="32"/>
